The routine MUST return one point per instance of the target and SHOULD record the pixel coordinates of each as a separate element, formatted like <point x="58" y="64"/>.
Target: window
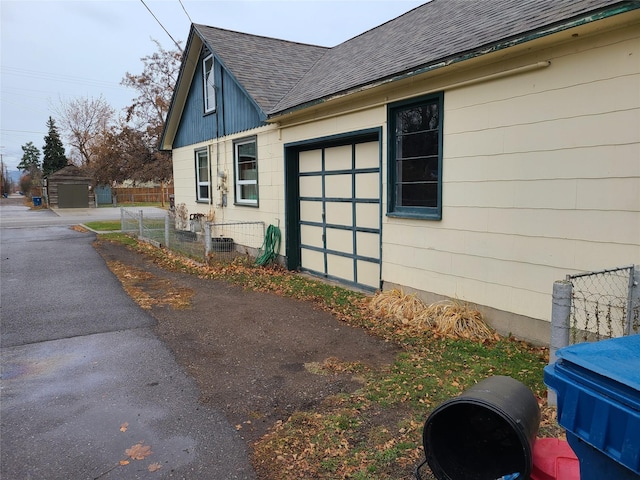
<point x="415" y="158"/>
<point x="246" y="170"/>
<point x="209" y="85"/>
<point x="202" y="176"/>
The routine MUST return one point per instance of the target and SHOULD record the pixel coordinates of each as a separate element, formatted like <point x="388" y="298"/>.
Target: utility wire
<point x="160" y="23"/>
<point x="185" y="11"/>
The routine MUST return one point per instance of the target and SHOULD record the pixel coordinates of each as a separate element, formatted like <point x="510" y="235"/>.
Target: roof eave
<point x="181" y="90"/>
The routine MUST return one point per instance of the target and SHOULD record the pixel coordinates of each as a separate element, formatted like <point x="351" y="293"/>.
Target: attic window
<point x="209" y="85"/>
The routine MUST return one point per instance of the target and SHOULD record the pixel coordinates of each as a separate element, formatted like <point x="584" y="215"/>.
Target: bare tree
<point x="85" y="121"/>
<point x="148" y="112"/>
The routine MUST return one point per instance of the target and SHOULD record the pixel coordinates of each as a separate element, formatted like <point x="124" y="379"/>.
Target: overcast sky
<point x="56" y="50"/>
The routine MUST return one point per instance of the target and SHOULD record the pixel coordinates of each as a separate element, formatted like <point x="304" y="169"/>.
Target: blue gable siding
<point x="235" y="111"/>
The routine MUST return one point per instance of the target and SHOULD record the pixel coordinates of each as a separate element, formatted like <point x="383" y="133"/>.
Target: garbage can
<point x="37" y="201"/>
<point x="598" y="390"/>
<point x="486" y="433"/>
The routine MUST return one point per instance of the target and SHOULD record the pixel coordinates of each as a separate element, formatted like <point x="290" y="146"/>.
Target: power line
<point x="185" y="11"/>
<point x="160" y="23"/>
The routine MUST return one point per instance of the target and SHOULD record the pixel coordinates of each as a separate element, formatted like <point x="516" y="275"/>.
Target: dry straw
<point x="446" y="318"/>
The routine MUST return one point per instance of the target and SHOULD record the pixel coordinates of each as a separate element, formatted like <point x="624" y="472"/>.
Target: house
<point x="69" y="187"/>
<point x="470" y="150"/>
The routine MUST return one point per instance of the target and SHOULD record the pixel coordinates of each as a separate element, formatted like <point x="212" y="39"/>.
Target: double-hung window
<point x="245" y="155"/>
<point x="415" y="158"/>
<point x="203" y="184"/>
<point x="208" y="84"/>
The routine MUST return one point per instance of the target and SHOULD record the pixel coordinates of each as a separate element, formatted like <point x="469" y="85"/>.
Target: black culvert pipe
<point x="485" y="433"/>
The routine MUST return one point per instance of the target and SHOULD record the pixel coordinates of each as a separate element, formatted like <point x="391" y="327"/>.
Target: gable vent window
<point x="209" y="85"/>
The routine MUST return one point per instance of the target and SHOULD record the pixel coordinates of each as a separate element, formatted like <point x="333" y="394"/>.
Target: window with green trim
<point x="415" y="158"/>
<point x="245" y="156"/>
<point x="202" y="175"/>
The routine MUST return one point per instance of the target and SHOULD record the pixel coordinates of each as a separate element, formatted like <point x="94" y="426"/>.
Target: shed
<point x="69" y="187"/>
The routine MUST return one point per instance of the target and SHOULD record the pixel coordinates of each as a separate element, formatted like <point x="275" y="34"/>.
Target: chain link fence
<point x="603" y="305"/>
<point x="594" y="306"/>
<point x="195" y="237"/>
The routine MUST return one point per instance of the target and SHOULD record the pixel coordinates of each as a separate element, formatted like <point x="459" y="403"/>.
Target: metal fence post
<point x="122" y="219"/>
<point x="141" y="225"/>
<point x="207" y="239"/>
<point x="166" y="230"/>
<point x="560" y="324"/>
<point x="632" y="322"/>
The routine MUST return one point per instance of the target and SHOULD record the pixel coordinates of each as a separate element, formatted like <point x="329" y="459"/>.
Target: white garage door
<point x="340" y="212"/>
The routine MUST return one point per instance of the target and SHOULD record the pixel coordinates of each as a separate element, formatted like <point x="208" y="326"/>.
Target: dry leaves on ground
<point x="138" y="451"/>
<point x="148" y="290"/>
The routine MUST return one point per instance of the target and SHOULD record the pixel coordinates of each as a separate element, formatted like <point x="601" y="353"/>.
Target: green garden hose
<point x="271" y="247"/>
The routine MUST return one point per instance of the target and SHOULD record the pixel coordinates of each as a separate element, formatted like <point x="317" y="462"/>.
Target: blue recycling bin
<point x="37" y="201"/>
<point x="598" y="391"/>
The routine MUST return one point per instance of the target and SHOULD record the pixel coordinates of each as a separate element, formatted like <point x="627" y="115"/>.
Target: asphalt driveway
<point x="84" y="379"/>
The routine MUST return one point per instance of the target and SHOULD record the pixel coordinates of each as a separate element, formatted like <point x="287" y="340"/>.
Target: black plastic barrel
<point x="485" y="433"/>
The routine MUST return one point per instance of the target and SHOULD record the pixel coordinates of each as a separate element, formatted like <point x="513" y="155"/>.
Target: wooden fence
<point x="125" y="195"/>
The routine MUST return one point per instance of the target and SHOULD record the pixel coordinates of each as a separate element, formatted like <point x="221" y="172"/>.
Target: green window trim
<point x="245" y="169"/>
<point x="203" y="182"/>
<point x="415" y="157"/>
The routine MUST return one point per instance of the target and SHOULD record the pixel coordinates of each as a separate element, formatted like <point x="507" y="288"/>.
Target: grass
<point x="375" y="432"/>
<point x="105" y="226"/>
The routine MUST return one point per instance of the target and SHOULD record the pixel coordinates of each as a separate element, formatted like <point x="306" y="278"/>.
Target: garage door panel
<point x="311" y="211"/>
<point x="338" y="213"/>
<point x="368" y="155"/>
<point x="368" y="215"/>
<point x="340" y="240"/>
<point x="312" y="235"/>
<point x="367" y="185"/>
<point x="341" y="267"/>
<point x="311" y="186"/>
<point x="368" y="273"/>
<point x="310" y="161"/>
<point x="313" y="260"/>
<point x="368" y="244"/>
<point x="338" y="186"/>
<point x="338" y="158"/>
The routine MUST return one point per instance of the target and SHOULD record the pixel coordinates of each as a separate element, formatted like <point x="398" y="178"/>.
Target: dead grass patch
<point x="447" y="318"/>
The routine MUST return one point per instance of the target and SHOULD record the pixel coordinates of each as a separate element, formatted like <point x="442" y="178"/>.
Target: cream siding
<point x="541" y="178"/>
<point x="270" y="180"/>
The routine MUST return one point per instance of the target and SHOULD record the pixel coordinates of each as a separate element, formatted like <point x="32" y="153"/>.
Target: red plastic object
<point x="553" y="459"/>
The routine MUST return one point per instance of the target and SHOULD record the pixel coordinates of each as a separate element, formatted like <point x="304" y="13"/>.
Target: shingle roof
<point x="434" y="32"/>
<point x="267" y="68"/>
<point x="282" y="75"/>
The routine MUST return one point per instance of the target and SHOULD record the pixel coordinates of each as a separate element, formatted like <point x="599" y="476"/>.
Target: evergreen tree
<point x="54" y="157"/>
<point x="30" y="162"/>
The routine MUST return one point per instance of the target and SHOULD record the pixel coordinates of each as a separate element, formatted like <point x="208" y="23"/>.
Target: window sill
<point x="416" y="215"/>
<point x="247" y="204"/>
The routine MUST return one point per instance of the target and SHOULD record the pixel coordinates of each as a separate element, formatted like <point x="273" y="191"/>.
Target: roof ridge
<point x="292" y="42"/>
